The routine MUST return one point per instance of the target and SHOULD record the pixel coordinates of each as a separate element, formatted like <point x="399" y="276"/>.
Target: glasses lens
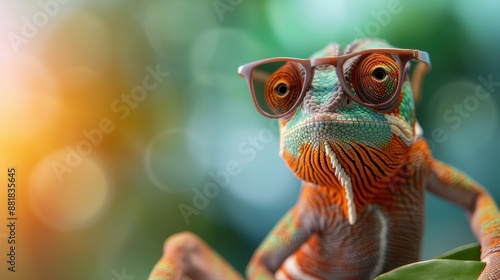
<point x="374" y="78"/>
<point x="277" y="86"/>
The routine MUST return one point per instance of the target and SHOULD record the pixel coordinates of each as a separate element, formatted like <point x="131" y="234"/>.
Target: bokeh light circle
<point x="28" y="95"/>
<point x="220" y="51"/>
<point x="307" y="25"/>
<point x="168" y="23"/>
<point x="68" y="192"/>
<point x="81" y="46"/>
<point x="175" y="160"/>
<point x="464" y="112"/>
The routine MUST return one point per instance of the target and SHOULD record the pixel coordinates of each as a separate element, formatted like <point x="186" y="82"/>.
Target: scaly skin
<point x="361" y="210"/>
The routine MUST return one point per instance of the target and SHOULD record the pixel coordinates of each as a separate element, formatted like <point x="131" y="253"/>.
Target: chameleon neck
<point x="353" y="175"/>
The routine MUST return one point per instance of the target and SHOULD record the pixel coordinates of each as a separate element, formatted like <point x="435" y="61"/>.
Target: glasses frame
<point x="246" y="71"/>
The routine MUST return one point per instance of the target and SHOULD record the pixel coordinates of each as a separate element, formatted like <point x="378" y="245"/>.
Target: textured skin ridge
<point x="346" y="183"/>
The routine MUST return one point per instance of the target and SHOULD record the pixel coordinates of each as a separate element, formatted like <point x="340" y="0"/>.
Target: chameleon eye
<point x="283" y="88"/>
<point x="379" y="74"/>
<point x="375" y="78"/>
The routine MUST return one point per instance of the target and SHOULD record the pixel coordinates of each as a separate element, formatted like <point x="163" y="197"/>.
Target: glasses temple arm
<point x="418" y="74"/>
<point x="417" y="80"/>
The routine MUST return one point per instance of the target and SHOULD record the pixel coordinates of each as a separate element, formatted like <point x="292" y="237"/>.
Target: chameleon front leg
<point x="187" y="255"/>
<point x="285" y="238"/>
<point x="451" y="184"/>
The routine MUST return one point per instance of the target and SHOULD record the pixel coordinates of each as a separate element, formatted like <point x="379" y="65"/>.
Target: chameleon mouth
<point x="401" y="129"/>
<point x="321" y="121"/>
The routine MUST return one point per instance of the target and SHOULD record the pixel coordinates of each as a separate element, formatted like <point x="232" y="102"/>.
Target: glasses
<point x="373" y="78"/>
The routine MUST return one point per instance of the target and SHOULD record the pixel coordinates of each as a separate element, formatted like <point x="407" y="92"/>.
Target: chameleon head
<point x="347" y="120"/>
<point x="331" y="140"/>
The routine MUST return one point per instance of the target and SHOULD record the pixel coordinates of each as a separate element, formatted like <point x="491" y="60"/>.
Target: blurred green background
<point x="117" y="113"/>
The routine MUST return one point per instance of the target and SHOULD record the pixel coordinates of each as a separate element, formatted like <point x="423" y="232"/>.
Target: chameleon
<point x="348" y="131"/>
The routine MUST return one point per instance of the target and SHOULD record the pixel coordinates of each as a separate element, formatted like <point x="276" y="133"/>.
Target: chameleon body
<point x="361" y="209"/>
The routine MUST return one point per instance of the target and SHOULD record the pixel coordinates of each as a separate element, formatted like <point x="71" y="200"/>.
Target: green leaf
<point x="438" y="269"/>
<point x="470" y="252"/>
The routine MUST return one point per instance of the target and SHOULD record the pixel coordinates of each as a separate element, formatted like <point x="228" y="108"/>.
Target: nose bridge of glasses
<point x="330" y="60"/>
